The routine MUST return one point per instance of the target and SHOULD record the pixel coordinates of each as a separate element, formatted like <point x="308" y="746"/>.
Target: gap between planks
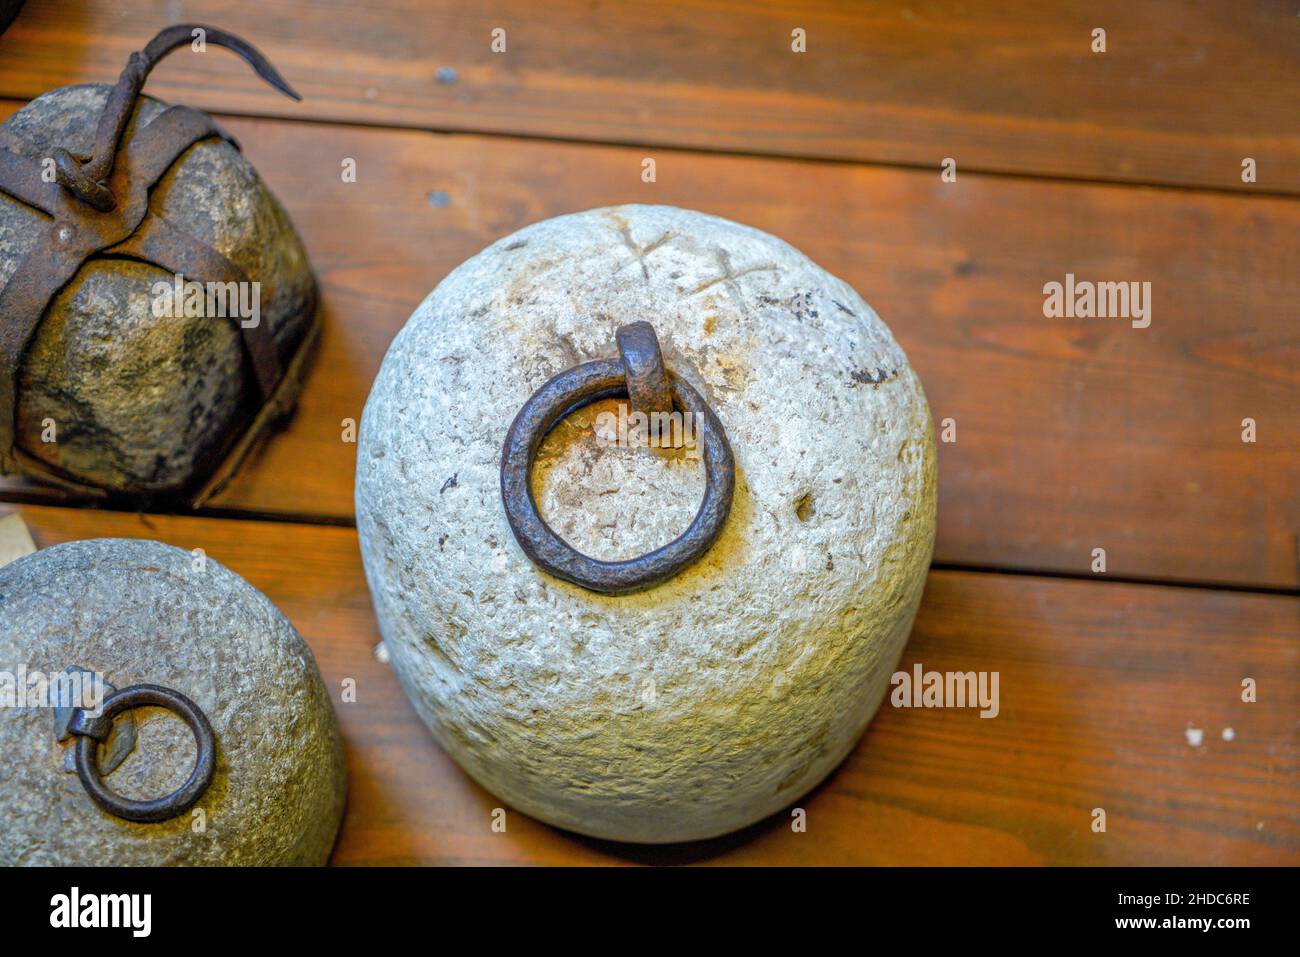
<point x="15" y="503"/>
<point x="9" y="105"/>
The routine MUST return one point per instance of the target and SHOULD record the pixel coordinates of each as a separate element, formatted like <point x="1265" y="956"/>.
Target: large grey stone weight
<point x="720" y="697"/>
<point x="141" y="612"/>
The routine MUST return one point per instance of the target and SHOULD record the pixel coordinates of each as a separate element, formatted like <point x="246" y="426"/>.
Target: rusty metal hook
<point x="85" y="178"/>
<point x="93" y="729"/>
<point x="637" y="374"/>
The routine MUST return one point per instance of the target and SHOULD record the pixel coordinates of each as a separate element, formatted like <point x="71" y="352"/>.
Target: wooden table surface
<point x="1070" y="434"/>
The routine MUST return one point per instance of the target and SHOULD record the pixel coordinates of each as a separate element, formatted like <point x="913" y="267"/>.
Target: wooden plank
<point x="1099" y="685"/>
<point x="1182" y="94"/>
<point x="1071" y="434"/>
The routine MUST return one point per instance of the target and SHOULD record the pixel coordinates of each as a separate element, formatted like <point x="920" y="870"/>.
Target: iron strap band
<point x="78" y="232"/>
<point x="175" y="251"/>
<point x="21" y="179"/>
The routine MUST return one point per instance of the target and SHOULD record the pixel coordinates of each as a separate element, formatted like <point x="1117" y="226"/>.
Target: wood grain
<point x="1182" y="94"/>
<point x="1072" y="434"/>
<point x="1099" y="683"/>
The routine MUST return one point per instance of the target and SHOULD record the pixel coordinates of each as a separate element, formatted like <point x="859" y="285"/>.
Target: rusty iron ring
<point x="92" y="730"/>
<point x="566" y="393"/>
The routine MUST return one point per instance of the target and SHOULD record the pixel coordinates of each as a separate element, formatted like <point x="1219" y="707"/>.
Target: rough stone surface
<point x="720" y="697"/>
<point x="145" y="404"/>
<point x="143" y="612"/>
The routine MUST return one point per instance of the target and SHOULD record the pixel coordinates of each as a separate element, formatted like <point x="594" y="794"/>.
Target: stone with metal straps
<point x="101" y="205"/>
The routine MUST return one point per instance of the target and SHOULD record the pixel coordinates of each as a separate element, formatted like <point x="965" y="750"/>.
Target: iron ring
<point x="566" y="393"/>
<point x="93" y="729"/>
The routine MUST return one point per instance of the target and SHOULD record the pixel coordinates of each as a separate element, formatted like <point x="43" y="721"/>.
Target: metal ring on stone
<point x="92" y="730"/>
<point x="566" y="393"/>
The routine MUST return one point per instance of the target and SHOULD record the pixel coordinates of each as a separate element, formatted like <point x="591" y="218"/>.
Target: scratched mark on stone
<point x="729" y="277"/>
<point x="640" y="252"/>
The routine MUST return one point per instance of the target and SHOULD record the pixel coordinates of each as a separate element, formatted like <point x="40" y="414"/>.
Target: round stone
<point x="140" y="403"/>
<point x="721" y="696"/>
<point x="140" y="612"/>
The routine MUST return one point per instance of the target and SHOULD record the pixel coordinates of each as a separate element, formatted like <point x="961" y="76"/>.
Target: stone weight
<point x="140" y="404"/>
<point x="140" y="612"/>
<point x="724" y="694"/>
